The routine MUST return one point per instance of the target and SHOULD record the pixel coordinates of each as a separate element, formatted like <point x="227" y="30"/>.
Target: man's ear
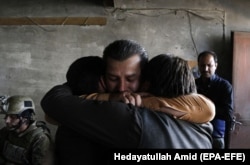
<point x="216" y="65"/>
<point x="23" y="119"/>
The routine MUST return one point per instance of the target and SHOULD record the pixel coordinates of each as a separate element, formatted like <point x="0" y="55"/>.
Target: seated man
<point x="23" y="140"/>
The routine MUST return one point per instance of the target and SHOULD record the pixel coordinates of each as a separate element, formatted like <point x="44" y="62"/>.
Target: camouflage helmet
<point x="16" y="105"/>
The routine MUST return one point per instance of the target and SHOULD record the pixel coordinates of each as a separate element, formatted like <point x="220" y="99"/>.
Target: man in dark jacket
<point x="220" y="91"/>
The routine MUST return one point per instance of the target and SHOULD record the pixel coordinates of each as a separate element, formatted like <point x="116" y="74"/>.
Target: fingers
<point x="132" y="98"/>
<point x="127" y="97"/>
<point x="138" y="100"/>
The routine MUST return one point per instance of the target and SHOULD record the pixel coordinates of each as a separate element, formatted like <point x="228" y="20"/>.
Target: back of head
<point x="19" y="105"/>
<point x="84" y="74"/>
<point x="169" y="76"/>
<point x="123" y="49"/>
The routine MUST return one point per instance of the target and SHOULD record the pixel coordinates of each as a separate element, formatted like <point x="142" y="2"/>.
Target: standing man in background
<point x="220" y="91"/>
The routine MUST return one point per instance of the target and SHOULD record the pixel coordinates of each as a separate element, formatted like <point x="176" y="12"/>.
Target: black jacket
<point x="112" y="124"/>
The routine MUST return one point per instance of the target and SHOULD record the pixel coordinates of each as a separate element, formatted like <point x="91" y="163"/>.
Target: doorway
<point x="240" y="135"/>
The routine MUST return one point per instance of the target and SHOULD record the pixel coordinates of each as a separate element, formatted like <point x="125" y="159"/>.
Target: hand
<point x="127" y="97"/>
<point x="132" y="98"/>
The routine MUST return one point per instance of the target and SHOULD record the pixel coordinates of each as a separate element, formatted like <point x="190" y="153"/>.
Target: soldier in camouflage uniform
<point x="23" y="141"/>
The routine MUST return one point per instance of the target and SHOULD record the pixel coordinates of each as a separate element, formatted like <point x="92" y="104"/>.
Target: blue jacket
<point x="220" y="91"/>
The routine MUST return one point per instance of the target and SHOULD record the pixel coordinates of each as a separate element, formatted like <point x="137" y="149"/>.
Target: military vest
<point x="17" y="147"/>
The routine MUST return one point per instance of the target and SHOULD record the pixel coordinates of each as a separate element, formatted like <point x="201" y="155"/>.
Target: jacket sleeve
<point x="193" y="107"/>
<point x="224" y="107"/>
<point x="113" y="124"/>
<point x="97" y="96"/>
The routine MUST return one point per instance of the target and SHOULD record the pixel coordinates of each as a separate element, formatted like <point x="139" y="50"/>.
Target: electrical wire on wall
<point x="122" y="13"/>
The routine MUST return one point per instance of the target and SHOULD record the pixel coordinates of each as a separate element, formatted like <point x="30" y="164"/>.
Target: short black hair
<point x="208" y="52"/>
<point x="123" y="49"/>
<point x="84" y="74"/>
